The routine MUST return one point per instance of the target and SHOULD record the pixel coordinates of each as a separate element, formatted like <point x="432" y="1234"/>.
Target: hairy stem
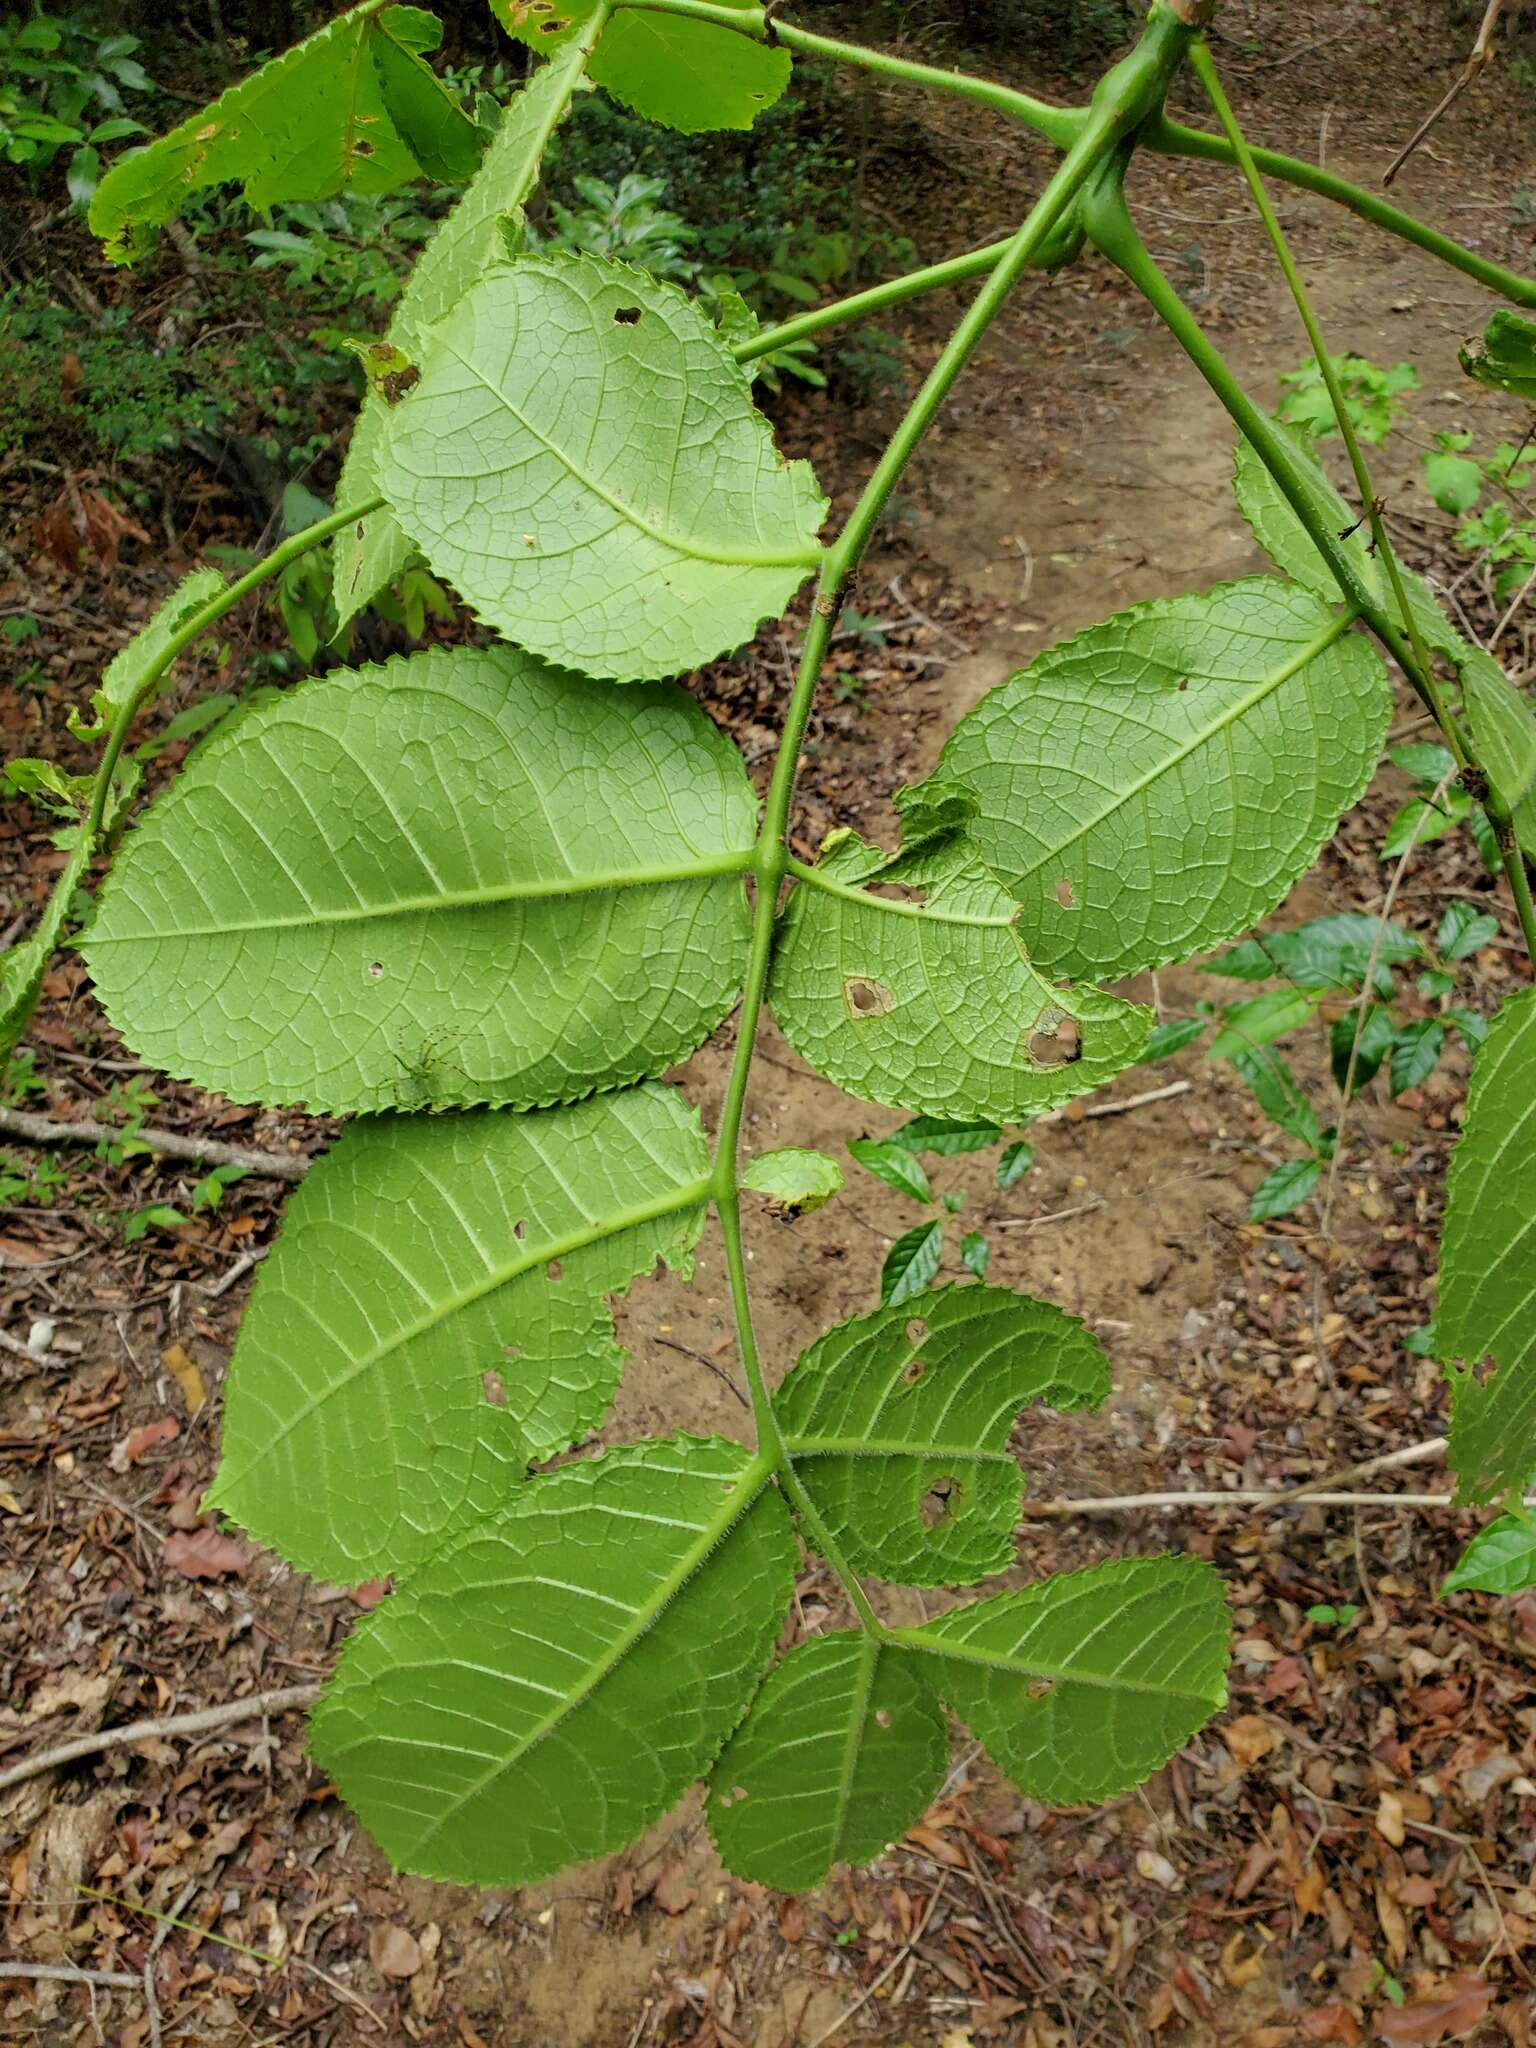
<point x="1060" y="125"/>
<point x="1381" y="545"/>
<point x="1124" y="97"/>
<point x="1171" y="138"/>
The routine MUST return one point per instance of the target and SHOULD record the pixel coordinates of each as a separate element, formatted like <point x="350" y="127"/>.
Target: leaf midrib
<point x="730" y="558"/>
<point x="1015" y="1666"/>
<point x="540" y="888"/>
<point x="497" y="1277"/>
<point x="737" y="1503"/>
<point x="1337" y="626"/>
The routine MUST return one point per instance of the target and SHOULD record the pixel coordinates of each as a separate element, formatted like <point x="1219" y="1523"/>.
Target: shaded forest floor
<point x="1349" y="1852"/>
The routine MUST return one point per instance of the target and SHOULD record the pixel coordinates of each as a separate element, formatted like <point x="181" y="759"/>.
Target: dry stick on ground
<point x="62" y="1973"/>
<point x="285" y="1700"/>
<point x="1482" y="50"/>
<point x="46" y="1130"/>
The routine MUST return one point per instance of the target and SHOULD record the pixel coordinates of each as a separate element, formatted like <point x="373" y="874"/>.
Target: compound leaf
<point x="543" y="1688"/>
<point x="582" y="459"/>
<point x="1499" y="1559"/>
<point x="1158" y="783"/>
<point x="1280" y="533"/>
<point x="1284" y="1188"/>
<point x="315" y="121"/>
<point x="433" y="1318"/>
<point x="898" y="1424"/>
<point x="1505" y="358"/>
<point x="794" y="1180"/>
<point x="690" y="75"/>
<point x="1326" y="952"/>
<point x="841" y="1751"/>
<point x="1504" y="732"/>
<point x="1487" y="1305"/>
<point x="461" y="877"/>
<point x="1082" y="1686"/>
<point x="936" y="1006"/>
<point x="376" y="551"/>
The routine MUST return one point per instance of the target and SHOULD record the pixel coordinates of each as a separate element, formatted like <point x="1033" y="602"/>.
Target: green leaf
<point x="975" y="1254"/>
<point x="123" y="676"/>
<point x="1082" y="1686"/>
<point x="628" y="515"/>
<point x="435" y="882"/>
<point x="1434" y="983"/>
<point x="1464" y="930"/>
<point x="1290" y="547"/>
<point x="1455" y="482"/>
<point x="1015" y="1162"/>
<point x="1158" y="783"/>
<point x="935" y="1006"/>
<point x="945" y="1137"/>
<point x="1283" y="1189"/>
<point x="841" y="1751"/>
<point x="1472" y="1026"/>
<point x="1419" y="821"/>
<point x="375" y="552"/>
<point x="1416" y="1048"/>
<point x="313" y="122"/>
<point x="1326" y="952"/>
<point x="434" y="1318"/>
<point x="689" y="75"/>
<point x="23" y="965"/>
<point x="1377" y="1032"/>
<point x="430" y="121"/>
<point x="1504" y="733"/>
<point x="1499" y="1559"/>
<point x="894" y="1164"/>
<point x="1487" y="1307"/>
<point x="918" y="1400"/>
<point x="795" y="1181"/>
<point x="1248" y="1026"/>
<point x="541" y="1690"/>
<point x="1278" y="1094"/>
<point x="1505" y="359"/>
<point x="911" y="1262"/>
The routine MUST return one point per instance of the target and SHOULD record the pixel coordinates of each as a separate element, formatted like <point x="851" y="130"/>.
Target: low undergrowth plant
<point x="482" y="898"/>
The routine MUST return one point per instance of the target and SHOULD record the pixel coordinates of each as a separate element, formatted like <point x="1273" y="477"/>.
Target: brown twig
<point x="1482" y="50"/>
<point x="284" y="1700"/>
<point x="47" y="1130"/>
<point x="63" y="1973"/>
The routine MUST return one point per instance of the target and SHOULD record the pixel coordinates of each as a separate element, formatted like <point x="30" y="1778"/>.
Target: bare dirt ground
<point x="1351" y="1848"/>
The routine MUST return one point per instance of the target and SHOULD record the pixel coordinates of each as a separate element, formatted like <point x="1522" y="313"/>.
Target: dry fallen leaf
<point x="1237" y="1968"/>
<point x="186" y="1375"/>
<point x="1428" y="2020"/>
<point x="204" y="1554"/>
<point x="1389" y="1819"/>
<point x="1332" y="2023"/>
<point x="394" y="1951"/>
<point x="1249" y="1737"/>
<point x="672" y="1891"/>
<point x="138" y="1442"/>
<point x="1157" y="1869"/>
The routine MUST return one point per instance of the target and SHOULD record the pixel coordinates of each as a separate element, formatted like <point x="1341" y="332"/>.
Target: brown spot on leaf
<point x="867" y="998"/>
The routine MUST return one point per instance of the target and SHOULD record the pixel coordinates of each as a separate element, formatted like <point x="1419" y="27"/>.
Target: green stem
<point x="1205" y="70"/>
<point x="205" y="616"/>
<point x="818" y="878"/>
<point x="1170" y="138"/>
<point x="1515" y="868"/>
<point x="1060" y="125"/>
<point x="1110" y="229"/>
<point x="1124" y="97"/>
<point x="954" y="270"/>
